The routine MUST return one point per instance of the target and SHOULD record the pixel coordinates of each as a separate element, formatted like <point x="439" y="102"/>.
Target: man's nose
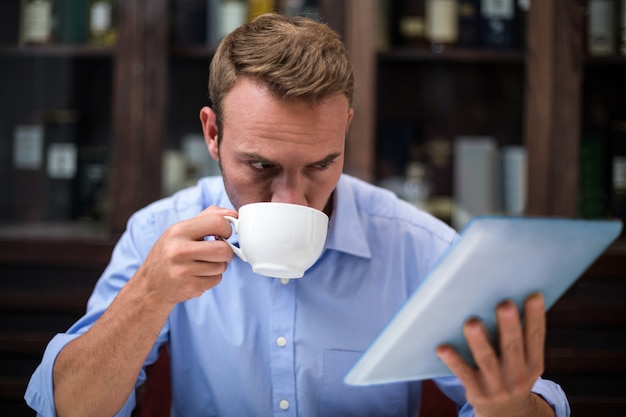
<point x="289" y="190"/>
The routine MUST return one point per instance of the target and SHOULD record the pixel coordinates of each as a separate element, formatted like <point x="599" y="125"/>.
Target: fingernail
<point x="443" y="350"/>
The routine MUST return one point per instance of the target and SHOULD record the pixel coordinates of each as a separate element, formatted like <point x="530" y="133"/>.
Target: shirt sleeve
<point x="548" y="390"/>
<point x="40" y="391"/>
<point x="127" y="255"/>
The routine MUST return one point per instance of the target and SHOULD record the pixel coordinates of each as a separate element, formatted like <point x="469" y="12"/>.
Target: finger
<point x="207" y="269"/>
<point x="535" y="332"/>
<point x="215" y="210"/>
<point x="483" y="353"/>
<point x="203" y="258"/>
<point x="512" y="349"/>
<point x="460" y="368"/>
<point x="210" y="222"/>
<point x="211" y="251"/>
<point x="214" y="261"/>
<point x="194" y="258"/>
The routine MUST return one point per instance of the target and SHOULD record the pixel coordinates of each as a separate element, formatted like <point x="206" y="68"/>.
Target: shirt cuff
<point x="553" y="394"/>
<point x="40" y="391"/>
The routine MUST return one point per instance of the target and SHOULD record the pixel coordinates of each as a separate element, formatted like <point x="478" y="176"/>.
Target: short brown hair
<point x="295" y="57"/>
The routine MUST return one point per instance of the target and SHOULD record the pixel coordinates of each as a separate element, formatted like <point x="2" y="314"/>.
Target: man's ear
<point x="209" y="128"/>
<point x="350" y="116"/>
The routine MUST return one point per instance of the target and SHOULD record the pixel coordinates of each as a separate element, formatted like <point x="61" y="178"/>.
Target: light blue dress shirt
<point x="259" y="346"/>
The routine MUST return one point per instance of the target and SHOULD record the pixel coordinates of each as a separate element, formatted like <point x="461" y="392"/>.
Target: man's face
<point x="276" y="150"/>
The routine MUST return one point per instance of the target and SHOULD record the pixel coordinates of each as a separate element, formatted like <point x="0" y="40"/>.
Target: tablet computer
<point x="495" y="258"/>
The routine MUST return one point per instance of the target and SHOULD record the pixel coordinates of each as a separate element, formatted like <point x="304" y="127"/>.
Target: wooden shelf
<point x="576" y="360"/>
<point x="70" y="230"/>
<point x="62" y="247"/>
<point x="452" y="55"/>
<point x="72" y="301"/>
<point x="606" y="60"/>
<point x="12" y="388"/>
<point x="24" y="343"/>
<point x="192" y="52"/>
<point x="53" y="51"/>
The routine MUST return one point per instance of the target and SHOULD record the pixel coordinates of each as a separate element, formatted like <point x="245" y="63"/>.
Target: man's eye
<point x="322" y="165"/>
<point x="260" y="165"/>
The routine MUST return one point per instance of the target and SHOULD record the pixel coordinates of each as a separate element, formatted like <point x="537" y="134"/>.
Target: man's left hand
<point x="501" y="384"/>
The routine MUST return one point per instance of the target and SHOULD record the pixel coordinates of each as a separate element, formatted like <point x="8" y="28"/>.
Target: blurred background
<point x="463" y="107"/>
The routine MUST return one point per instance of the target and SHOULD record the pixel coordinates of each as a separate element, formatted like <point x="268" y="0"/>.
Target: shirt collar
<point x="346" y="231"/>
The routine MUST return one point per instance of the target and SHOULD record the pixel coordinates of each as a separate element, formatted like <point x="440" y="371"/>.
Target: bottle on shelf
<point x="618" y="171"/>
<point x="497" y="23"/>
<point x="593" y="184"/>
<point x="309" y="8"/>
<point x="412" y="30"/>
<point x="441" y="23"/>
<point x="600" y="28"/>
<point x="469" y="18"/>
<point x="476" y="179"/>
<point x="383" y="25"/>
<point x="101" y="23"/>
<point x="404" y="23"/>
<point x="233" y="13"/>
<point x="259" y="7"/>
<point x="25" y="199"/>
<point x="522" y="10"/>
<point x="70" y="21"/>
<point x="514" y="166"/>
<point x="36" y="22"/>
<point x="61" y="136"/>
<point x="224" y="16"/>
<point x="92" y="174"/>
<point x="622" y="28"/>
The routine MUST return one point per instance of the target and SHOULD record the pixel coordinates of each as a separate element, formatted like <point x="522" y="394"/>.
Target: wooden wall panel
<point x="553" y="96"/>
<point x="139" y="107"/>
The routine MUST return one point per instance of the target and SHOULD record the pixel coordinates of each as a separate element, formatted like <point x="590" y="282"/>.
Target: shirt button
<point x="281" y="341"/>
<point x="284" y="281"/>
<point x="283" y="404"/>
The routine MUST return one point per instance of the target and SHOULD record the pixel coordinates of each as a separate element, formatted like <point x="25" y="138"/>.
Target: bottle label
<point x="600" y="27"/>
<point x="100" y="19"/>
<point x="232" y="15"/>
<point x="61" y="160"/>
<point x="37" y="21"/>
<point x="498" y="9"/>
<point x="619" y="173"/>
<point x="442" y="21"/>
<point x="28" y="147"/>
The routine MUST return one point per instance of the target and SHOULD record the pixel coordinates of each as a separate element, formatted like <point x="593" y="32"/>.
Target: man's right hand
<point x="182" y="264"/>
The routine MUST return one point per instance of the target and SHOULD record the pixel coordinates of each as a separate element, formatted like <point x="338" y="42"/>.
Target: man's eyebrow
<point x="256" y="157"/>
<point x="328" y="159"/>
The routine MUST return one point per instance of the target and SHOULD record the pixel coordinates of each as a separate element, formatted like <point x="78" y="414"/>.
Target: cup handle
<point x="238" y="251"/>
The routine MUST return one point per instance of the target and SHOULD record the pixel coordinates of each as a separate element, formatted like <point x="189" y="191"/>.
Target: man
<point x="246" y="345"/>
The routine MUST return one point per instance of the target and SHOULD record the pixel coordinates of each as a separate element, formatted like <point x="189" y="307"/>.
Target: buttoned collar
<point x="346" y="231"/>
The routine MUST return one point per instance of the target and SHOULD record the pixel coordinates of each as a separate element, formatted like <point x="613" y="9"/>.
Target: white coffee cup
<point x="279" y="240"/>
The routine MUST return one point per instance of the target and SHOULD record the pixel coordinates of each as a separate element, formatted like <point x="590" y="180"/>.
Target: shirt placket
<point x="282" y="349"/>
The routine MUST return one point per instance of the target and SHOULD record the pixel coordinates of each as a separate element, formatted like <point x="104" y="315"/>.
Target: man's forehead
<point x="254" y="88"/>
